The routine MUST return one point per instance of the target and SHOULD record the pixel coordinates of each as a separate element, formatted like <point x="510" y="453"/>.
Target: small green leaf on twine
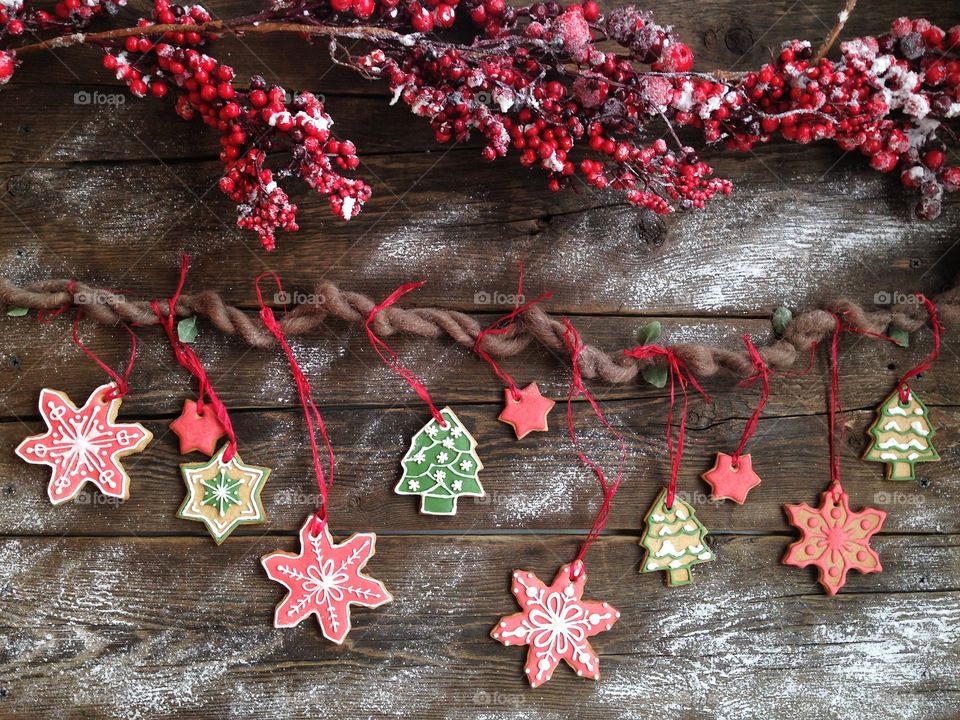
<point x="900" y="337"/>
<point x="656" y="375"/>
<point x="17" y="311"/>
<point x="187" y="329"/>
<point x="781" y="318"/>
<point x="649" y="332"/>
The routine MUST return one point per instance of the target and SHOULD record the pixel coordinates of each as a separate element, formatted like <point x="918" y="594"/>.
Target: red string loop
<point x="390" y="358"/>
<point x="931" y="357"/>
<point x="188" y="359"/>
<point x="121" y="383"/>
<point x="310" y="412"/>
<point x="679" y="374"/>
<point x="44" y="316"/>
<point x="836" y="407"/>
<point x="577" y="388"/>
<point x="763" y="375"/>
<point x="498" y="328"/>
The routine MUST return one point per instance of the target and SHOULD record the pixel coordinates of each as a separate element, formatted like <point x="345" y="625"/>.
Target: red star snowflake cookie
<point x="731" y="482"/>
<point x="325" y="580"/>
<point x="555" y="623"/>
<point x="84" y="445"/>
<point x="833" y="538"/>
<point x="196" y="431"/>
<point x="528" y="413"/>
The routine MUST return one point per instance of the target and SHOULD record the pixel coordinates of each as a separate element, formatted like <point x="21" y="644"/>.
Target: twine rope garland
<point x="533" y="325"/>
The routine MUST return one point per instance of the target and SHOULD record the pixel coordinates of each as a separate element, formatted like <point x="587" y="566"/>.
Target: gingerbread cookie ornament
<point x="731" y="479"/>
<point x="197" y="432"/>
<point x="84" y="444"/>
<point x="555" y="623"/>
<point x="527" y="411"/>
<point x="674" y="539"/>
<point x="834" y="538"/>
<point x="324" y="579"/>
<point x="901" y="435"/>
<point x="441" y="466"/>
<point x="223" y="494"/>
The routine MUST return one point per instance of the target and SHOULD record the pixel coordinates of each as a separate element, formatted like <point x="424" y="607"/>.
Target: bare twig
<point x="837" y="29"/>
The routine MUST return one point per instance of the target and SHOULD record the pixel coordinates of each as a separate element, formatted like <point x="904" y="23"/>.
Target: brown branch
<point x="837" y="29"/>
<point x="214" y="27"/>
<point x="535" y="325"/>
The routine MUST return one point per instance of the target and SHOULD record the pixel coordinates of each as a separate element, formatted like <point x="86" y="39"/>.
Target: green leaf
<point x="901" y="337"/>
<point x="187" y="329"/>
<point x="649" y="332"/>
<point x="17" y="312"/>
<point x="656" y="375"/>
<point x="781" y="318"/>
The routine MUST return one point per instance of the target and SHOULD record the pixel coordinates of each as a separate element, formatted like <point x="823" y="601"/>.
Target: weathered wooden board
<point x="346" y="371"/>
<point x="462" y="225"/>
<point x="109" y="628"/>
<point x="724" y="34"/>
<point x="534" y="484"/>
<point x="123" y="611"/>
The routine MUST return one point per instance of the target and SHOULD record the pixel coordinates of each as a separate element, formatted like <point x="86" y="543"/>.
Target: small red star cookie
<point x="197" y="432"/>
<point x="528" y="413"/>
<point x="731" y="482"/>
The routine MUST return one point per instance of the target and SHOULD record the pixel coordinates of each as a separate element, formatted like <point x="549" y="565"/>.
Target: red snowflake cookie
<point x="834" y="538"/>
<point x="325" y="580"/>
<point x="555" y="623"/>
<point x="84" y="445"/>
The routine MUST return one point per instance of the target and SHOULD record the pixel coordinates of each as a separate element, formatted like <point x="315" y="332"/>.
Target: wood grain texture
<point x="124" y="611"/>
<point x="131" y="638"/>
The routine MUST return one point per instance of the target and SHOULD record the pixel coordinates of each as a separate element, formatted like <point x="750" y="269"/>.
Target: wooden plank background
<point x="123" y="611"/>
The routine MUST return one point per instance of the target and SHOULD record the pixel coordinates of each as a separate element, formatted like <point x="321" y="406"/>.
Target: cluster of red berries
<point x="521" y="98"/>
<point x="421" y="16"/>
<point x="887" y="97"/>
<point x="17" y="19"/>
<point x="251" y="123"/>
<point x="538" y="83"/>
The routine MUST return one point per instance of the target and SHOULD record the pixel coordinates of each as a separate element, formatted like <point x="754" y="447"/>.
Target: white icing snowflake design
<point x="324" y="580"/>
<point x="555" y="623"/>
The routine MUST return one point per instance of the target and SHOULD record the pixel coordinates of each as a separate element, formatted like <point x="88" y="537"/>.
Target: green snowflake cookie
<point x="674" y="540"/>
<point x="441" y="465"/>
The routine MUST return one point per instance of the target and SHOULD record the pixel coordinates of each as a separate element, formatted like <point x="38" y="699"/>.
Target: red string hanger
<point x="834" y="538"/>
<point x="223" y="492"/>
<point x="902" y="435"/>
<point x="85" y="444"/>
<point x="196" y="428"/>
<point x="674" y="539"/>
<point x="442" y="464"/>
<point x="680" y="375"/>
<point x="732" y="476"/>
<point x="558" y="610"/>
<point x="325" y="578"/>
<point x="524" y="410"/>
<point x="311" y="414"/>
<point x="572" y="340"/>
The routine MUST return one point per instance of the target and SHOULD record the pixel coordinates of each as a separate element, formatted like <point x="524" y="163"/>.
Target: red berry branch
<point x="534" y="80"/>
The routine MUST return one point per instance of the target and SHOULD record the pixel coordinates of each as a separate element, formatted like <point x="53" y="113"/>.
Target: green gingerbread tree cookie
<point x="441" y="465"/>
<point x="902" y="436"/>
<point x="674" y="540"/>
